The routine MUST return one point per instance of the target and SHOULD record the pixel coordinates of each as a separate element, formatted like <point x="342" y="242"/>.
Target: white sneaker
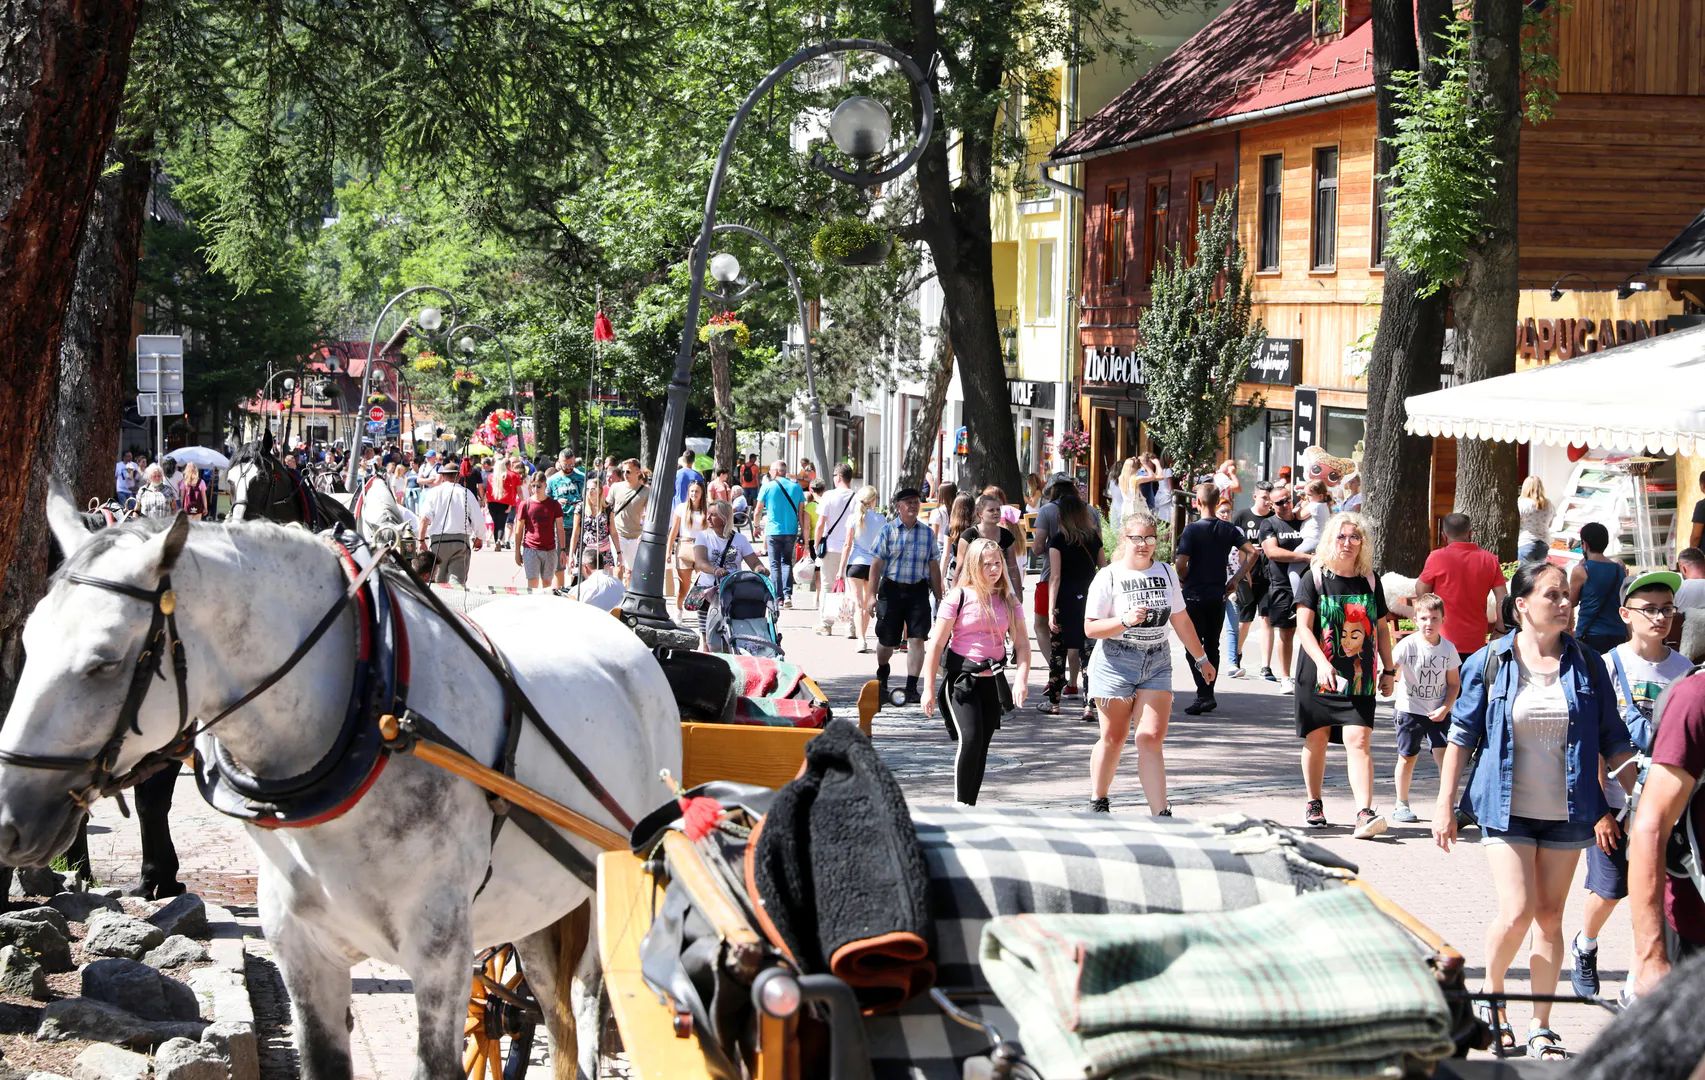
<point x="1287" y="686"/>
<point x="1237" y="673"/>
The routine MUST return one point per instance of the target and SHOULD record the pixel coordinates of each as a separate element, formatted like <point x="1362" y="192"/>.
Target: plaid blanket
<point x="1321" y="985"/>
<point x="985" y="863"/>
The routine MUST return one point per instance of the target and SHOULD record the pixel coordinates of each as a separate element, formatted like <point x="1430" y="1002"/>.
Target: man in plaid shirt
<point x="906" y="573"/>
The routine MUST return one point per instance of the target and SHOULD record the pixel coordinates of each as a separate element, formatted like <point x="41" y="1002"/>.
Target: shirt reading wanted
<point x="1117" y="591"/>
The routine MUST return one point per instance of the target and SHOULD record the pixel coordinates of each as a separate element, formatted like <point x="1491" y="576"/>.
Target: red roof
<point x="1255" y="55"/>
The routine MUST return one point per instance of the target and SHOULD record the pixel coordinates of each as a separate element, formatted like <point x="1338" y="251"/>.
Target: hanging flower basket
<point x="428" y="363"/>
<point x="851" y="242"/>
<point x="1074" y="444"/>
<point x="729" y="324"/>
<point x="464" y="380"/>
<point x="378" y="399"/>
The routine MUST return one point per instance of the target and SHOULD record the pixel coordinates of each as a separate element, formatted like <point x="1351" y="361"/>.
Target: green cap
<point x="1668" y="579"/>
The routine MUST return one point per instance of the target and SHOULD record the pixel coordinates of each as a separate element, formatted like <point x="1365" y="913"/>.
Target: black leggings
<point x="499" y="519"/>
<point x="972" y="706"/>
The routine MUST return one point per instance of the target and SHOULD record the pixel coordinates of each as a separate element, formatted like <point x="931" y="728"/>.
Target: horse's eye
<point x="101" y="668"/>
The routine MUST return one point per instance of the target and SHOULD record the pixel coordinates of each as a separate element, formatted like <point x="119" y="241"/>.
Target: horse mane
<point x="102" y="541"/>
<point x="252" y="453"/>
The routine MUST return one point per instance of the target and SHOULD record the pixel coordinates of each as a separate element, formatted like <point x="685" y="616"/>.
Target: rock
<point x="78" y="906"/>
<point x="238" y="1045"/>
<point x="176" y="951"/>
<point x="183" y="1059"/>
<point x="45" y="1076"/>
<point x="184" y="914"/>
<point x="40" y="881"/>
<point x="139" y="990"/>
<point x="114" y="934"/>
<point x="44" y="914"/>
<point x="41" y="940"/>
<point x="112" y="893"/>
<point x="20" y="975"/>
<point x="85" y="1018"/>
<point x="136" y="907"/>
<point x="102" y="1062"/>
<point x="17" y="1019"/>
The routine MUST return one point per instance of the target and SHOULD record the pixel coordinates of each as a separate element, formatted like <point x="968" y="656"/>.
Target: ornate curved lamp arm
<point x="353" y="475"/>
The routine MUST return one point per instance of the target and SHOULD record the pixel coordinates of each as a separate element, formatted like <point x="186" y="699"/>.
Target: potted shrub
<point x="851" y="242"/>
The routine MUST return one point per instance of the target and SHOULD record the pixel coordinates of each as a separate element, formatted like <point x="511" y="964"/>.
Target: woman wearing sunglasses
<point x="1132" y="603"/>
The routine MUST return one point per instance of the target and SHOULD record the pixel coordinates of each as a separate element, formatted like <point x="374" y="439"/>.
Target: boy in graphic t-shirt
<point x="1428" y="678"/>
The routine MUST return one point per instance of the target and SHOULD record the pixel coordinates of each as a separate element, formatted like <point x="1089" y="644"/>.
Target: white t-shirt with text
<point x="1116" y="591"/>
<point x="1422" y="672"/>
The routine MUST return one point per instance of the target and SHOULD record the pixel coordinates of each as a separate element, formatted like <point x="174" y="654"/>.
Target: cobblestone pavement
<point x="1241" y="758"/>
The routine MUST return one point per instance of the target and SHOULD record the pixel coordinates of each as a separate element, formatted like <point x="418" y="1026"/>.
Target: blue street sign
<point x="622" y="411"/>
<point x="394" y="426"/>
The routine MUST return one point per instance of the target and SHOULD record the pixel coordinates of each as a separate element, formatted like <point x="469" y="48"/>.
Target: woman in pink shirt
<point x="973" y="624"/>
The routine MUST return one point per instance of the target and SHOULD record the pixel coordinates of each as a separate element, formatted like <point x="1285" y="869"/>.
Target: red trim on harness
<point x="366" y="638"/>
<point x="335" y="812"/>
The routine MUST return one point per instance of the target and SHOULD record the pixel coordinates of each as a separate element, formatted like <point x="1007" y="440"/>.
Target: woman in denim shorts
<point x="1540" y="710"/>
<point x="1132" y="603"/>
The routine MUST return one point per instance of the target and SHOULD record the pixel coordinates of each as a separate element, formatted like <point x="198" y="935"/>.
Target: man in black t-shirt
<point x="1252" y="593"/>
<point x="1204" y="547"/>
<point x="1281" y="535"/>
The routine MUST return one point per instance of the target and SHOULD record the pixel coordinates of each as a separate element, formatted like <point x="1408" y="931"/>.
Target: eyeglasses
<point x="1142" y="538"/>
<point x="1656" y="614"/>
<point x="1350" y="538"/>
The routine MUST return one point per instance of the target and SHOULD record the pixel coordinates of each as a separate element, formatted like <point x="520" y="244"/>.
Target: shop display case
<point x="1633" y="497"/>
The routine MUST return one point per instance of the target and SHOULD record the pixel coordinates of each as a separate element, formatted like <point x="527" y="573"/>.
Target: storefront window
<point x="1343" y="431"/>
<point x="1261" y="448"/>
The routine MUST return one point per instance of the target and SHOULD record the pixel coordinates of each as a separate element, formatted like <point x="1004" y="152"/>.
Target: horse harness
<point x="344" y="774"/>
<point x="297" y="493"/>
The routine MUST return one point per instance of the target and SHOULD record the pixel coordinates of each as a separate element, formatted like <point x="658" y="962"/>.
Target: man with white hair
<point x="452" y="521"/>
<point x="157" y="498"/>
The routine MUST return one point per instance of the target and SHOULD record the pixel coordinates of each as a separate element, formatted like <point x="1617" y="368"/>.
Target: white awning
<point x="1648" y="396"/>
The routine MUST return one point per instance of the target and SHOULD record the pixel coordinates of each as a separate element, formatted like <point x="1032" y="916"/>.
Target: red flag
<point x="601" y="328"/>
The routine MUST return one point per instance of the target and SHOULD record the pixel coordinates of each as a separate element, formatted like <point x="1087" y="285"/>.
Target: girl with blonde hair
<point x="1534" y="511"/>
<point x="866" y="527"/>
<point x="1135" y="605"/>
<point x="1343" y="625"/>
<point x="973" y="624"/>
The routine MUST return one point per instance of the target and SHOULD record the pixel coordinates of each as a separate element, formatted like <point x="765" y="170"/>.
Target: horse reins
<point x="266" y="466"/>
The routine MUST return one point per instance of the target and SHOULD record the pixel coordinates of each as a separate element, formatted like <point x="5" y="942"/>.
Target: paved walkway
<point x="1242" y="758"/>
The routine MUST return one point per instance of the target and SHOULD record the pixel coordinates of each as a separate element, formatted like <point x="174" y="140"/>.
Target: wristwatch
<point x="1198" y="661"/>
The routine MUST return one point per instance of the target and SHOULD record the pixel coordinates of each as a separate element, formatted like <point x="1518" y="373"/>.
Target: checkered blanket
<point x="1315" y="986"/>
<point x="988" y="862"/>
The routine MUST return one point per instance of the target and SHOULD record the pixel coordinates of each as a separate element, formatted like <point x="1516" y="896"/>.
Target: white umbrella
<point x="200" y="456"/>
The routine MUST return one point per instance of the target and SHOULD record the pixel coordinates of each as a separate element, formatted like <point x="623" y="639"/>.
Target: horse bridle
<point x="267" y="467"/>
<point x="162" y="637"/>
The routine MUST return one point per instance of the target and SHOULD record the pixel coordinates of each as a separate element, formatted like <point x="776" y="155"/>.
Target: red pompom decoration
<point x="699" y="816"/>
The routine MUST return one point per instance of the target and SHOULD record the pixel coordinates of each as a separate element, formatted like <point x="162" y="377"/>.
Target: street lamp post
<point x="860" y="127"/>
<point x="291" y="381"/>
<point x="813" y="408"/>
<point x="429" y="319"/>
<point x="466" y="343"/>
<point x="404" y="398"/>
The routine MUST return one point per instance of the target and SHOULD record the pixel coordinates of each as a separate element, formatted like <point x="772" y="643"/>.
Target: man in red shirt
<point x="1669" y="914"/>
<point x="1464" y="574"/>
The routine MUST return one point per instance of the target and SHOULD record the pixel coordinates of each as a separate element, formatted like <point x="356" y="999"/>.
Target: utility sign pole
<point x="160" y="365"/>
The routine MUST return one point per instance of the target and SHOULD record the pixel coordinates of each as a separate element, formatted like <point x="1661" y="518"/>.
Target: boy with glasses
<point x="1640" y="668"/>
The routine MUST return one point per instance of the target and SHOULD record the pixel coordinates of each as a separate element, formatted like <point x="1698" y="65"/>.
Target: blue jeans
<point x="781" y="547"/>
<point x="1230" y="650"/>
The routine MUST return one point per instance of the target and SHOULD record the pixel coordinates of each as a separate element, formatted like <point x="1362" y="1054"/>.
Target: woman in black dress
<point x="1075" y="553"/>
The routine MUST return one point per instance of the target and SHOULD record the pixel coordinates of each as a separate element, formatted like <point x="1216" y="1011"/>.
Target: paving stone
<point x="185" y="1059"/>
<point x="140" y="990"/>
<point x="41" y="940"/>
<point x="43" y="914"/>
<point x="40" y="881"/>
<point x="176" y="951"/>
<point x="184" y="914"/>
<point x="20" y="975"/>
<point x="78" y="906"/>
<point x="239" y="1045"/>
<point x="116" y="934"/>
<point x="103" y="1062"/>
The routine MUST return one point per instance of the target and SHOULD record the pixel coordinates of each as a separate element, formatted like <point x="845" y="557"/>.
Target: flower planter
<point x="870" y="254"/>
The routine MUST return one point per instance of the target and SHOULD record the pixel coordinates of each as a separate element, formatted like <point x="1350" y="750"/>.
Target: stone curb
<point x="224" y="992"/>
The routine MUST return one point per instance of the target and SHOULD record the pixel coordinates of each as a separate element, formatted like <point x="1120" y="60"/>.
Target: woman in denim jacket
<point x="1541" y="727"/>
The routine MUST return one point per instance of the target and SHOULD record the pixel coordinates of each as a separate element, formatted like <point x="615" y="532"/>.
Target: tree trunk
<point x="920" y="443"/>
<point x="1396" y="466"/>
<point x="65" y="64"/>
<point x="547" y="422"/>
<point x="955" y="224"/>
<point x="722" y="385"/>
<point x="650" y="424"/>
<point x="576" y="425"/>
<point x="95" y="347"/>
<point x="1486" y="301"/>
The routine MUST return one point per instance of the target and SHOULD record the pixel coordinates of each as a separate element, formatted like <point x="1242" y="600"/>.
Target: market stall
<point x="1623" y="415"/>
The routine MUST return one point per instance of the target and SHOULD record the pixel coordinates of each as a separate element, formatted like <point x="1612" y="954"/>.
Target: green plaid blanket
<point x="1322" y="985"/>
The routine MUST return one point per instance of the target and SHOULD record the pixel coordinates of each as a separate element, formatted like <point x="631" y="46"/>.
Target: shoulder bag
<point x="821" y="548"/>
<point x="698" y="595"/>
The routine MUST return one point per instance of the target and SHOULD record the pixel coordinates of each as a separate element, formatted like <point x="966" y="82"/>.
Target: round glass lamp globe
<point x="725" y="268"/>
<point x="430" y="319"/>
<point x="467" y="344"/>
<point x="861" y="127"/>
<point x="289" y="385"/>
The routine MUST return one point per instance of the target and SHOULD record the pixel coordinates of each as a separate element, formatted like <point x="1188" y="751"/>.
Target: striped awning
<point x="1644" y="397"/>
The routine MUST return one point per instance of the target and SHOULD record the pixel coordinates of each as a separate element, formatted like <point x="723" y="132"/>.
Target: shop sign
<point x="1278" y="361"/>
<point x="1544" y="340"/>
<point x="962" y="442"/>
<point x="1110" y="366"/>
<point x="1305" y="419"/>
<point x="1030" y="395"/>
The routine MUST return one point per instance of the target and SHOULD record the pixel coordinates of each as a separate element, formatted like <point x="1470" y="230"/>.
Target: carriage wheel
<point x="499" y="1004"/>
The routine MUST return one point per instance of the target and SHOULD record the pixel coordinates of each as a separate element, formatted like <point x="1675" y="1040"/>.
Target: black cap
<point x="907" y="493"/>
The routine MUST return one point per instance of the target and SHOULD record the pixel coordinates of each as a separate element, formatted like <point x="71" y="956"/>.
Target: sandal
<point x="1545" y="1044"/>
<point x="1495" y="1019"/>
<point x="1049" y="708"/>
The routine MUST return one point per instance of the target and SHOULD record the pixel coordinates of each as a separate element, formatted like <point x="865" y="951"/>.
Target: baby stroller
<point x="743" y="619"/>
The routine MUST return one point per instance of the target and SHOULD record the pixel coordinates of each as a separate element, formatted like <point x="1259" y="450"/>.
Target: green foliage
<point x="1436" y="191"/>
<point x="1196" y="339"/>
<point x="1539" y="67"/>
<point x="840" y="237"/>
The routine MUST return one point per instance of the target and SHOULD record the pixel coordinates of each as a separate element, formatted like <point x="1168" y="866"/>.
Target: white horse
<point x="398" y="877"/>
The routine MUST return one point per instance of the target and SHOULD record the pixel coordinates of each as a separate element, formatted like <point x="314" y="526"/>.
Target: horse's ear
<point x="172" y="542"/>
<point x="63" y="520"/>
<point x="266" y="441"/>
